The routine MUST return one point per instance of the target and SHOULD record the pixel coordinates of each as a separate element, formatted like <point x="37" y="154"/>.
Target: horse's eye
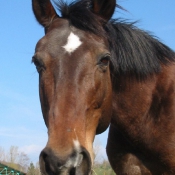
<point x="104" y="61"/>
<point x="38" y="63"/>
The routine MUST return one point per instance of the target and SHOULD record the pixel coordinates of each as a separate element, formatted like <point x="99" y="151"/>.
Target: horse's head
<point x="74" y="84"/>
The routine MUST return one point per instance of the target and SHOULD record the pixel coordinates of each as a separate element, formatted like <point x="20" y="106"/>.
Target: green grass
<point x="103" y="169"/>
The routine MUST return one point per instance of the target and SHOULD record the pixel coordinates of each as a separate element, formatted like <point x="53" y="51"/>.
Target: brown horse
<point x="93" y="72"/>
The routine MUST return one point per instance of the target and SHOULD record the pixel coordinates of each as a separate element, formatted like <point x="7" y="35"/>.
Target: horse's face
<point x="75" y="94"/>
<point x="75" y="91"/>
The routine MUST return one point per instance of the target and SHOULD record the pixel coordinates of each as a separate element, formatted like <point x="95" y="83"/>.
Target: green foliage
<point x="103" y="169"/>
<point x="33" y="170"/>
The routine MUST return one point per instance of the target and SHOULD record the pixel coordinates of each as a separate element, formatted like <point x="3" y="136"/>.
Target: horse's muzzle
<point x="78" y="163"/>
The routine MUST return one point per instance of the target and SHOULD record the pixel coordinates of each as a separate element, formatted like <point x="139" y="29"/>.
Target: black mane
<point x="133" y="51"/>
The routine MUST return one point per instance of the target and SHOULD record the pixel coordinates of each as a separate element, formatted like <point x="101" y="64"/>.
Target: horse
<point x="95" y="72"/>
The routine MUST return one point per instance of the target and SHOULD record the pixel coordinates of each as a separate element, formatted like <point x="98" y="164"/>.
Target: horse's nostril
<point x="48" y="161"/>
<point x="44" y="156"/>
<point x="72" y="171"/>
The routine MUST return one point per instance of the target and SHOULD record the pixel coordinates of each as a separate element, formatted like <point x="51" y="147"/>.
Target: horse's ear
<point x="44" y="11"/>
<point x="104" y="8"/>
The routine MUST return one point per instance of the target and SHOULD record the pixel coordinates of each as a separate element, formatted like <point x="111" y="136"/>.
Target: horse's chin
<point x="83" y="169"/>
<point x="80" y="170"/>
<point x="76" y="164"/>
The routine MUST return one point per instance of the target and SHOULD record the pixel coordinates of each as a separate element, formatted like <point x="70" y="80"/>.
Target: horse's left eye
<point x="104" y="61"/>
<point x="39" y="64"/>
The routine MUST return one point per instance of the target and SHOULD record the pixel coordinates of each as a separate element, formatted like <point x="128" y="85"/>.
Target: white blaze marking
<point x="77" y="145"/>
<point x="73" y="42"/>
<point x="76" y="160"/>
<point x="79" y="157"/>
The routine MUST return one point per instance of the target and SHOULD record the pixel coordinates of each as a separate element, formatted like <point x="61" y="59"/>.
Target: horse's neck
<point x="131" y="104"/>
<point x="140" y="107"/>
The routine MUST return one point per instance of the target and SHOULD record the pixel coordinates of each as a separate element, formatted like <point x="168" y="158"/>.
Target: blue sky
<point x="21" y="122"/>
